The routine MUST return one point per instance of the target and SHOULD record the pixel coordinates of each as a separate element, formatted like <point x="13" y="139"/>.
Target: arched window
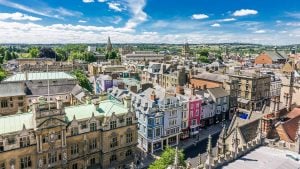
<point x="128" y="153"/>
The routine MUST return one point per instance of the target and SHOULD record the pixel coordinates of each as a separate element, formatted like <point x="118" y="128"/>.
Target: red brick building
<point x="271" y="57"/>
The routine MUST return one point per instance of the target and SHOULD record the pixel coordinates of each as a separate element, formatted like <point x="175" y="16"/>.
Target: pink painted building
<point x="194" y="116"/>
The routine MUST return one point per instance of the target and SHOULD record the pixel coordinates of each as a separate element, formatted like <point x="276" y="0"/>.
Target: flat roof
<point x="264" y="158"/>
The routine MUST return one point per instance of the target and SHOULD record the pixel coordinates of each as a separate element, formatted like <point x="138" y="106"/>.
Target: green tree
<point x="89" y="57"/>
<point x="167" y="158"/>
<point x="3" y="74"/>
<point x="203" y="52"/>
<point x="33" y="52"/>
<point x="203" y="59"/>
<point x="61" y="54"/>
<point x="83" y="80"/>
<point x="7" y="55"/>
<point x="111" y="55"/>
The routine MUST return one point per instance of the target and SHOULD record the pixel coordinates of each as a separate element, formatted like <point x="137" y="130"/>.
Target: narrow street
<point x="191" y="153"/>
<point x="192" y="147"/>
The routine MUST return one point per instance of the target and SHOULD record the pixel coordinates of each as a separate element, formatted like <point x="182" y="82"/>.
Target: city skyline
<point x="147" y="21"/>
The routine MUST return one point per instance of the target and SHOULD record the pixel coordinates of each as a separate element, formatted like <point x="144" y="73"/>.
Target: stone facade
<point x="254" y="90"/>
<point x="72" y="137"/>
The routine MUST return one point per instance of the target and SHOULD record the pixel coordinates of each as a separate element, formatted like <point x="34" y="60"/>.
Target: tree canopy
<point x="33" y="52"/>
<point x="167" y="158"/>
<point x="83" y="80"/>
<point x="3" y="74"/>
<point x="47" y="53"/>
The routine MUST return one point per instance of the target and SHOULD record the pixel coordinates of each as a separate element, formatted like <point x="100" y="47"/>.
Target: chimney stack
<point x="26" y="75"/>
<point x="291" y="88"/>
<point x="273" y="100"/>
<point x="179" y="89"/>
<point x="153" y="96"/>
<point x="96" y="104"/>
<point x="59" y="103"/>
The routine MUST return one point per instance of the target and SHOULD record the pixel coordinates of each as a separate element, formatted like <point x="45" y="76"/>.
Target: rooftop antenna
<point x="48" y="86"/>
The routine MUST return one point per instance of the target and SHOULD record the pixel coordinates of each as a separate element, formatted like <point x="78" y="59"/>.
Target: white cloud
<point x="199" y="16"/>
<point x="18" y="16"/>
<point x="293" y="15"/>
<point x="102" y="0"/>
<point x="115" y="6"/>
<point x="296" y="24"/>
<point x="245" y="12"/>
<point x="136" y="8"/>
<point x="17" y="32"/>
<point x="227" y="20"/>
<point x="82" y="21"/>
<point x="215" y="25"/>
<point x="116" y="20"/>
<point x="260" y="31"/>
<point x="42" y="10"/>
<point x="88" y="1"/>
<point x="150" y="33"/>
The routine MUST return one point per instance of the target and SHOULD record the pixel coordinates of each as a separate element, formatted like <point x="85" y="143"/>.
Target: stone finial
<point x="176" y="159"/>
<point x="209" y="159"/>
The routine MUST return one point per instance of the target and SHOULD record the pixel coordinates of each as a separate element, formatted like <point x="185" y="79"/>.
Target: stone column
<point x="62" y="138"/>
<point x="41" y="143"/>
<point x="38" y="143"/>
<point x="152" y="148"/>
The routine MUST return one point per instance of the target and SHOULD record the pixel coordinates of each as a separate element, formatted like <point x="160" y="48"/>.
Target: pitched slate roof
<point x="12" y="89"/>
<point x="276" y="55"/>
<point x="212" y="77"/>
<point x="218" y="92"/>
<point x="41" y="87"/>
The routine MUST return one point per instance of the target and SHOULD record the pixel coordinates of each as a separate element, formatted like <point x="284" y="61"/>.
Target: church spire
<point x="109" y="45"/>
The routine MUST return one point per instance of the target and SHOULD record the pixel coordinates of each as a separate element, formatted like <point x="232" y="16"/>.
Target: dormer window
<point x="113" y="124"/>
<point x="93" y="127"/>
<point x="74" y="131"/>
<point x="1" y="146"/>
<point x="128" y="121"/>
<point x="24" y="141"/>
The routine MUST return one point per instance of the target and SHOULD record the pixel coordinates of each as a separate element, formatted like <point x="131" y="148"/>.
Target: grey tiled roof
<point x="12" y="89"/>
<point x="276" y="55"/>
<point x="212" y="77"/>
<point x="218" y="92"/>
<point x="55" y="87"/>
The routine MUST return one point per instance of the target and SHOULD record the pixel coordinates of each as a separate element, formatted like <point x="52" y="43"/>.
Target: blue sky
<point x="150" y="21"/>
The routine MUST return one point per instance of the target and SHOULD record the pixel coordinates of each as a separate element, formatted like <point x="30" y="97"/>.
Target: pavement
<point x="192" y="147"/>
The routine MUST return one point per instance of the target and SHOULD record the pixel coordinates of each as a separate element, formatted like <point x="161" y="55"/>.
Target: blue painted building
<point x="159" y="119"/>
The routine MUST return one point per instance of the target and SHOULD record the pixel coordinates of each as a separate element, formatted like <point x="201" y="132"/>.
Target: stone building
<point x="254" y="90"/>
<point x="101" y="134"/>
<point x="141" y="56"/>
<point x="47" y="84"/>
<point x="12" y="98"/>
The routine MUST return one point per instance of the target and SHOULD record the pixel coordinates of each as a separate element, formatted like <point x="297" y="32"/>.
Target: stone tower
<point x="185" y="51"/>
